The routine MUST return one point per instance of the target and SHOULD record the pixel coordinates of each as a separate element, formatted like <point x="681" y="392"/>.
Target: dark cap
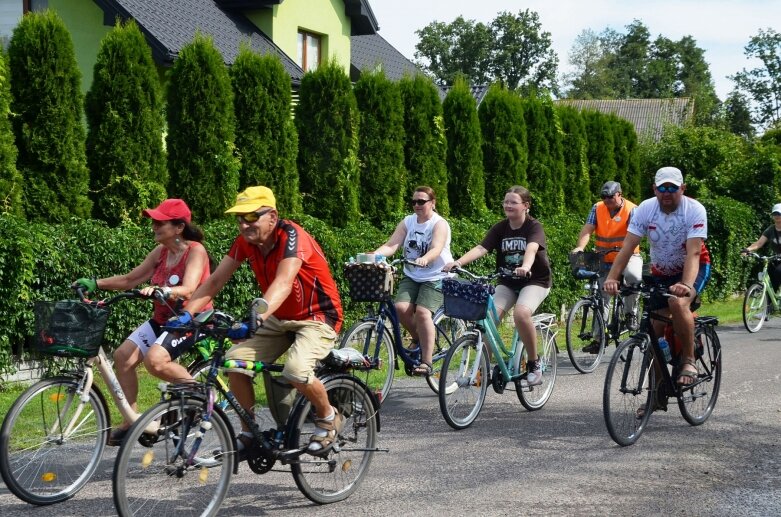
<point x="610" y="188"/>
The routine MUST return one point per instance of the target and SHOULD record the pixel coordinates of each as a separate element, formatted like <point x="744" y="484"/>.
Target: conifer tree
<point x="425" y="144"/>
<point x="266" y="137"/>
<point x="125" y="104"/>
<point x="504" y="144"/>
<point x="578" y="190"/>
<point x="10" y="179"/>
<point x="546" y="159"/>
<point x="466" y="183"/>
<point x="381" y="147"/>
<point x="328" y="122"/>
<point x="203" y="168"/>
<point x="601" y="145"/>
<point x="47" y="104"/>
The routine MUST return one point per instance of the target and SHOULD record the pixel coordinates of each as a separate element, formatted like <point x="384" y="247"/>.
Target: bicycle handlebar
<point x="131" y="293"/>
<point x="501" y="273"/>
<point x="765" y="258"/>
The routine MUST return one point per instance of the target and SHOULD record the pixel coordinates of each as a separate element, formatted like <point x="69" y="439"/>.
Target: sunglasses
<point x="605" y="196"/>
<point x="419" y="202"/>
<point x="252" y="216"/>
<point x="669" y="188"/>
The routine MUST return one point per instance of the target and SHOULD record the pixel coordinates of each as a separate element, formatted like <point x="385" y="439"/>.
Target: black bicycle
<point x="587" y="332"/>
<point x="639" y="381"/>
<point x="181" y="453"/>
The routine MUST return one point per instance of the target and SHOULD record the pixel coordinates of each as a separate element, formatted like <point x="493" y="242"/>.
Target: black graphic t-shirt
<point x="510" y="246"/>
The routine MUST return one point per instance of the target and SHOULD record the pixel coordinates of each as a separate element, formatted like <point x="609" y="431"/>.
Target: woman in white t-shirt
<point x="425" y="239"/>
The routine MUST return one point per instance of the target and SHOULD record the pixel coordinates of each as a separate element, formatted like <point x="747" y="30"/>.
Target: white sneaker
<point x="533" y="378"/>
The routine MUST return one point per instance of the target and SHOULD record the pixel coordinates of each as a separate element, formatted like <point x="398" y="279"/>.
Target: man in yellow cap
<point x="304" y="309"/>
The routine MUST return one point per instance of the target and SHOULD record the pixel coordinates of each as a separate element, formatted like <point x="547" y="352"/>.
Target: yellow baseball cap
<point x="252" y="199"/>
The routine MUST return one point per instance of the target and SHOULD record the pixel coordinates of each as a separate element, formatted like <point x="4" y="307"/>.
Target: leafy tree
<point x="466" y="183"/>
<point x="425" y="144"/>
<point x="591" y="57"/>
<point x="737" y="114"/>
<point x="266" y="136"/>
<point x="578" y="190"/>
<point x="328" y="123"/>
<point x="545" y="171"/>
<point x="763" y="83"/>
<point x="125" y="104"/>
<point x="512" y="50"/>
<point x="47" y="107"/>
<point x="10" y="180"/>
<point x="381" y="147"/>
<point x="504" y="144"/>
<point x="203" y="168"/>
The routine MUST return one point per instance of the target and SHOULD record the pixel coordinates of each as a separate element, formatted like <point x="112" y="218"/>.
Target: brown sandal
<point x="690" y="374"/>
<point x="422" y="370"/>
<point x="332" y="428"/>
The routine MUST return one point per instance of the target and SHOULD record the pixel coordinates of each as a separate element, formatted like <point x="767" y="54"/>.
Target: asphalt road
<point x="555" y="461"/>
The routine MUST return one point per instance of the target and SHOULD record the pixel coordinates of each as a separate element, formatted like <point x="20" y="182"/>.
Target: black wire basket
<point x="69" y="328"/>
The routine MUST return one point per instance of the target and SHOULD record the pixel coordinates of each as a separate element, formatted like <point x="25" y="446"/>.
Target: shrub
<point x="266" y="136"/>
<point x="125" y="105"/>
<point x="47" y="107"/>
<point x="546" y="156"/>
<point x="10" y="179"/>
<point x="203" y="168"/>
<point x="578" y="189"/>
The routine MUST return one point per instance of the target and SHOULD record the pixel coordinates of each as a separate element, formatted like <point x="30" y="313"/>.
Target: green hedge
<point x="38" y="261"/>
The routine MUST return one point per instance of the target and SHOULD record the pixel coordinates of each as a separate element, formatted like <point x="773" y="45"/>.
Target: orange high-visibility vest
<point x="610" y="231"/>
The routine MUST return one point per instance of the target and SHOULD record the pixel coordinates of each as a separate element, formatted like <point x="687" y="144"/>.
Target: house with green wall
<point x="302" y="33"/>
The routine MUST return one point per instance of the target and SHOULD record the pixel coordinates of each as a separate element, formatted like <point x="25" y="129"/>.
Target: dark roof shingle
<point x="372" y="50"/>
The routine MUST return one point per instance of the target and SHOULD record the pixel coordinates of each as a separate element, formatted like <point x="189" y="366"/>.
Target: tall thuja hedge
<point x="425" y="145"/>
<point x="10" y="179"/>
<point x="266" y="136"/>
<point x="328" y="122"/>
<point x="633" y="187"/>
<point x="546" y="157"/>
<point x="504" y="144"/>
<point x="466" y="183"/>
<point x="124" y="110"/>
<point x="601" y="148"/>
<point x="381" y="147"/>
<point x="578" y="190"/>
<point x="203" y="168"/>
<point x="47" y="108"/>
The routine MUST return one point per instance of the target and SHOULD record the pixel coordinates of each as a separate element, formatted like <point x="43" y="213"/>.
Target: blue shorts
<point x="658" y="301"/>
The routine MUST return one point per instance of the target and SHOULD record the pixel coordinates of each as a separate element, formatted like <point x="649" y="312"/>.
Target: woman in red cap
<point x="177" y="266"/>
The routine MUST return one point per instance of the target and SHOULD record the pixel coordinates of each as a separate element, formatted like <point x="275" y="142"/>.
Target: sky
<point x="722" y="28"/>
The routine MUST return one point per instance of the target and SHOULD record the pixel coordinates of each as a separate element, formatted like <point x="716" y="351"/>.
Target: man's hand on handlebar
<point x="611" y="286"/>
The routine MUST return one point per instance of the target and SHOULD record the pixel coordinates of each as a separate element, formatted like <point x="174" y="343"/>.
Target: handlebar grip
<point x="258" y="306"/>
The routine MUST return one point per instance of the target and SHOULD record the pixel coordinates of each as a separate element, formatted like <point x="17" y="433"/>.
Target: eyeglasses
<point x="419" y="202"/>
<point x="669" y="188"/>
<point x="512" y="203"/>
<point x="252" y="216"/>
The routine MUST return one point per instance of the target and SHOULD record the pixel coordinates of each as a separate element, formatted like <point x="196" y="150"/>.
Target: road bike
<point x="186" y="463"/>
<point x="379" y="334"/>
<point x="587" y="333"/>
<point x="761" y="299"/>
<point x="639" y="381"/>
<point x="467" y="367"/>
<point x="54" y="435"/>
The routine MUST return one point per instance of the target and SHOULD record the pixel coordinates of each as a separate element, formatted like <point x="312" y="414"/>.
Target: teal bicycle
<point x="760" y="296"/>
<point x="467" y="364"/>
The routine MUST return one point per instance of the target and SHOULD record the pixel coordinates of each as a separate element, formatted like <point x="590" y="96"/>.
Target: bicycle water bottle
<point x="665" y="347"/>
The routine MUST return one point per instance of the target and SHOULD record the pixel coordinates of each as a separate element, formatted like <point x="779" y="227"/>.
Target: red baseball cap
<point x="168" y="210"/>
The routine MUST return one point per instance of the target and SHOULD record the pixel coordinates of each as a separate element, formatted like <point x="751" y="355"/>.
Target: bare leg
<point x="406" y="312"/>
<point x="158" y="362"/>
<point x="426" y="333"/>
<point x="316" y="394"/>
<point x="683" y="324"/>
<point x="522" y="317"/>
<point x="126" y="358"/>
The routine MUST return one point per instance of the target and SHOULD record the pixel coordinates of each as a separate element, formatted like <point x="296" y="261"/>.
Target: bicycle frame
<point x="511" y="367"/>
<point x="767" y="287"/>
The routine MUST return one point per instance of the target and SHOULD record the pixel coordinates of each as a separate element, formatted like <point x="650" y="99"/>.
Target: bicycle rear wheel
<point x="50" y="446"/>
<point x="755" y="306"/>
<point x="363" y="336"/>
<point x="333" y="477"/>
<point x="628" y="396"/>
<point x="152" y="475"/>
<point x="448" y="330"/>
<point x="534" y="397"/>
<point x="697" y="403"/>
<point x="586" y="337"/>
<point x="460" y="406"/>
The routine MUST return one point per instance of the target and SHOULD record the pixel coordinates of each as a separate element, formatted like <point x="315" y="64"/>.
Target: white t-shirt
<point x="667" y="233"/>
<point x="417" y="242"/>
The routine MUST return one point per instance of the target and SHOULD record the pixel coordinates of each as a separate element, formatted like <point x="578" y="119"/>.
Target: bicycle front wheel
<point x="586" y="337"/>
<point x="153" y="474"/>
<point x="51" y="444"/>
<point x="336" y="475"/>
<point x="628" y="396"/>
<point x="755" y="308"/>
<point x="470" y="375"/>
<point x="534" y="397"/>
<point x="378" y="346"/>
<point x="448" y="330"/>
<point x="697" y="403"/>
